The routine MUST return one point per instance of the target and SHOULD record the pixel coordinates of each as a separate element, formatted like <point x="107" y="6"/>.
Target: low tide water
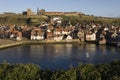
<point x="60" y="56"/>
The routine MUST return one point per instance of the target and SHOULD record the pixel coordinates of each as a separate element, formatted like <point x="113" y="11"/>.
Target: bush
<point x="88" y="72"/>
<point x="82" y="72"/>
<point x="19" y="72"/>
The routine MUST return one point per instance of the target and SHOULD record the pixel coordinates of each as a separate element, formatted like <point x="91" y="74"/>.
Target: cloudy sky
<point x="106" y="8"/>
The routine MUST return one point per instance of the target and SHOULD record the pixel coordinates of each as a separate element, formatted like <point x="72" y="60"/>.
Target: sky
<point x="104" y="8"/>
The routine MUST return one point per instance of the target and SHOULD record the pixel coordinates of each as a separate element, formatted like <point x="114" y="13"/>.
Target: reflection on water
<point x="59" y="56"/>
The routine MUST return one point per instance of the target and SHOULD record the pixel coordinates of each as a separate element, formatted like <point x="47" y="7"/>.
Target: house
<point x="91" y="37"/>
<point x="69" y="38"/>
<point x="49" y="36"/>
<point x="58" y="34"/>
<point x="66" y="31"/>
<point x="56" y="21"/>
<point x="37" y="34"/>
<point x="80" y="35"/>
<point x="16" y="35"/>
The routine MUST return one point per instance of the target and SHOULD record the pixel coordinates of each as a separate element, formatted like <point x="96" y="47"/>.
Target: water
<point x="59" y="56"/>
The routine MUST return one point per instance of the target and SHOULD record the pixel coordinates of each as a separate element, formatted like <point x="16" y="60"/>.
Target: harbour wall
<point x="17" y="43"/>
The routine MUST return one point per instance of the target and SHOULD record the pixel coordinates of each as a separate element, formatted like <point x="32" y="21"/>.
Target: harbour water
<point x="60" y="56"/>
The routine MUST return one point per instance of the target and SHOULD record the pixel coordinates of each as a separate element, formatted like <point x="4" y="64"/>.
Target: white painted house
<point x="37" y="34"/>
<point x="91" y="37"/>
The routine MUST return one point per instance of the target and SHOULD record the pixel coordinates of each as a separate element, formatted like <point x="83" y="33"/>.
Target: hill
<point x="35" y="19"/>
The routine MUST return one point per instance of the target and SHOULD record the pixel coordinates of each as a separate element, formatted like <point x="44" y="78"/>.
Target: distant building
<point x="64" y="13"/>
<point x="54" y="13"/>
<point x="28" y="12"/>
<point x="40" y="12"/>
<point x="73" y="13"/>
<point x="43" y="12"/>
